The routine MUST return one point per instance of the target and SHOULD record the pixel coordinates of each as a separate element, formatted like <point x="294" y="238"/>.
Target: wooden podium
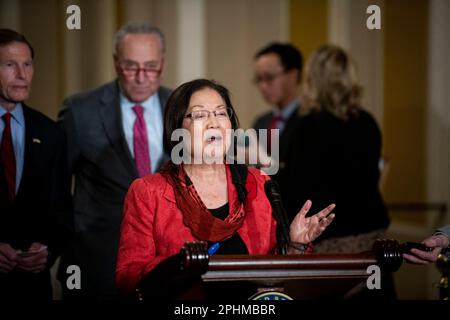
<point x="194" y="275"/>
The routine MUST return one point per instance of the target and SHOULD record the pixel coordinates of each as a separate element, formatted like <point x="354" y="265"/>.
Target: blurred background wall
<point x="404" y="69"/>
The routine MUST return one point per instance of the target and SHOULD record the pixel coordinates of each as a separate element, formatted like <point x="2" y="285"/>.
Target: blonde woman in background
<point x="335" y="159"/>
<point x="336" y="154"/>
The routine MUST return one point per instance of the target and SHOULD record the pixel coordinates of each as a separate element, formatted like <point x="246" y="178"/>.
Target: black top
<point x="232" y="245"/>
<point x="336" y="161"/>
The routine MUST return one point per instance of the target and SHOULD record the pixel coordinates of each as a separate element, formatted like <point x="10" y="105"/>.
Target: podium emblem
<point x="270" y="295"/>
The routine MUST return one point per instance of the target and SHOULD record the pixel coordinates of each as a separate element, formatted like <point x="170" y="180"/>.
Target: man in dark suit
<point x="114" y="136"/>
<point x="34" y="181"/>
<point x="278" y="69"/>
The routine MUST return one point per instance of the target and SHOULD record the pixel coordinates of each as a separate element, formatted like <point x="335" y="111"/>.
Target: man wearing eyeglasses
<point x="115" y="136"/>
<point x="278" y="69"/>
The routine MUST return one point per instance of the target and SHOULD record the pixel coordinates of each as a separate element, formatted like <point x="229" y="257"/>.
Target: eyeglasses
<point x="269" y="78"/>
<point x="132" y="70"/>
<point x="200" y="115"/>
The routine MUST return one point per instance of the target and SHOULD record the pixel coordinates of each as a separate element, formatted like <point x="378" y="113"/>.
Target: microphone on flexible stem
<point x="273" y="194"/>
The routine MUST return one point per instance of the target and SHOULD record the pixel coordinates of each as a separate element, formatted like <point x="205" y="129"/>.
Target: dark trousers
<point x="19" y="286"/>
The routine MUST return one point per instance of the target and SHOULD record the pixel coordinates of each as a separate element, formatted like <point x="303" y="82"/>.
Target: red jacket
<point x="152" y="226"/>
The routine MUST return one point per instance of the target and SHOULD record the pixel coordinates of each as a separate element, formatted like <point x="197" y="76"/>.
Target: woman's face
<point x="208" y="121"/>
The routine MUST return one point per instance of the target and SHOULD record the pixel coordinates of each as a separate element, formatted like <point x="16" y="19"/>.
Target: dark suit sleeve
<point x="444" y="230"/>
<point x="262" y="122"/>
<point x="66" y="120"/>
<point x="66" y="153"/>
<point x="255" y="124"/>
<point x="61" y="219"/>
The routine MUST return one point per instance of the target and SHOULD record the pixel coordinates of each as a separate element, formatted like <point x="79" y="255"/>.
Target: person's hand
<point x="305" y="230"/>
<point x="8" y="258"/>
<point x="35" y="259"/>
<point x="437" y="242"/>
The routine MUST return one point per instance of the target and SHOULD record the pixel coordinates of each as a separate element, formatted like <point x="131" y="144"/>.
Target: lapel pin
<point x="36" y="140"/>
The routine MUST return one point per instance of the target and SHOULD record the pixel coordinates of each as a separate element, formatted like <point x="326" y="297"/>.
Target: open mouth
<point x="214" y="139"/>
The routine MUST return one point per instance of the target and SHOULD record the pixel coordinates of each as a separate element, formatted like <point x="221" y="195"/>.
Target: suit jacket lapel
<point x="286" y="135"/>
<point x="32" y="149"/>
<point x="290" y="122"/>
<point x="163" y="94"/>
<point x="112" y="122"/>
<point x="3" y="190"/>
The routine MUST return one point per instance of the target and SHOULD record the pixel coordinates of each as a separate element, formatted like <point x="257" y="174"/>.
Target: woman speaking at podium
<point x="198" y="196"/>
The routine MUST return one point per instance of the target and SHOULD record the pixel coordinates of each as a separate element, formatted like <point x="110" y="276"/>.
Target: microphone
<point x="273" y="194"/>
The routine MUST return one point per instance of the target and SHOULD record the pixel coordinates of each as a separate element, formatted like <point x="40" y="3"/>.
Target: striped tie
<point x="140" y="143"/>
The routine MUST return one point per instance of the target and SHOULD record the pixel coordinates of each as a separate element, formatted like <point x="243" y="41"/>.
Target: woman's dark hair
<point x="196" y="216"/>
<point x="8" y="36"/>
<point x="178" y="104"/>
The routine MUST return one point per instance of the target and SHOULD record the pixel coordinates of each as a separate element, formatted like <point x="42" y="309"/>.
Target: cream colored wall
<point x="213" y="38"/>
<point x="347" y="28"/>
<point x="236" y="29"/>
<point x="9" y="14"/>
<point x="70" y="61"/>
<point x="162" y="13"/>
<point x="46" y="45"/>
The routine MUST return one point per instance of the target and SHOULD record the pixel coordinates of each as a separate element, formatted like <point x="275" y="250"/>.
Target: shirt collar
<point x="16" y="113"/>
<point x="288" y="111"/>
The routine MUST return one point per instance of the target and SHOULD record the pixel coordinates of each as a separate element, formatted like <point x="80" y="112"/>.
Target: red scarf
<point x="203" y="225"/>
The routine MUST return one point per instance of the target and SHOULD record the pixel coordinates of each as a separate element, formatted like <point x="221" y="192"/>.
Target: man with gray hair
<point x="114" y="136"/>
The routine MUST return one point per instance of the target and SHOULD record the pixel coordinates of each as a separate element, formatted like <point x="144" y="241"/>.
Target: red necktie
<point x="272" y="125"/>
<point x="8" y="158"/>
<point x="140" y="143"/>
